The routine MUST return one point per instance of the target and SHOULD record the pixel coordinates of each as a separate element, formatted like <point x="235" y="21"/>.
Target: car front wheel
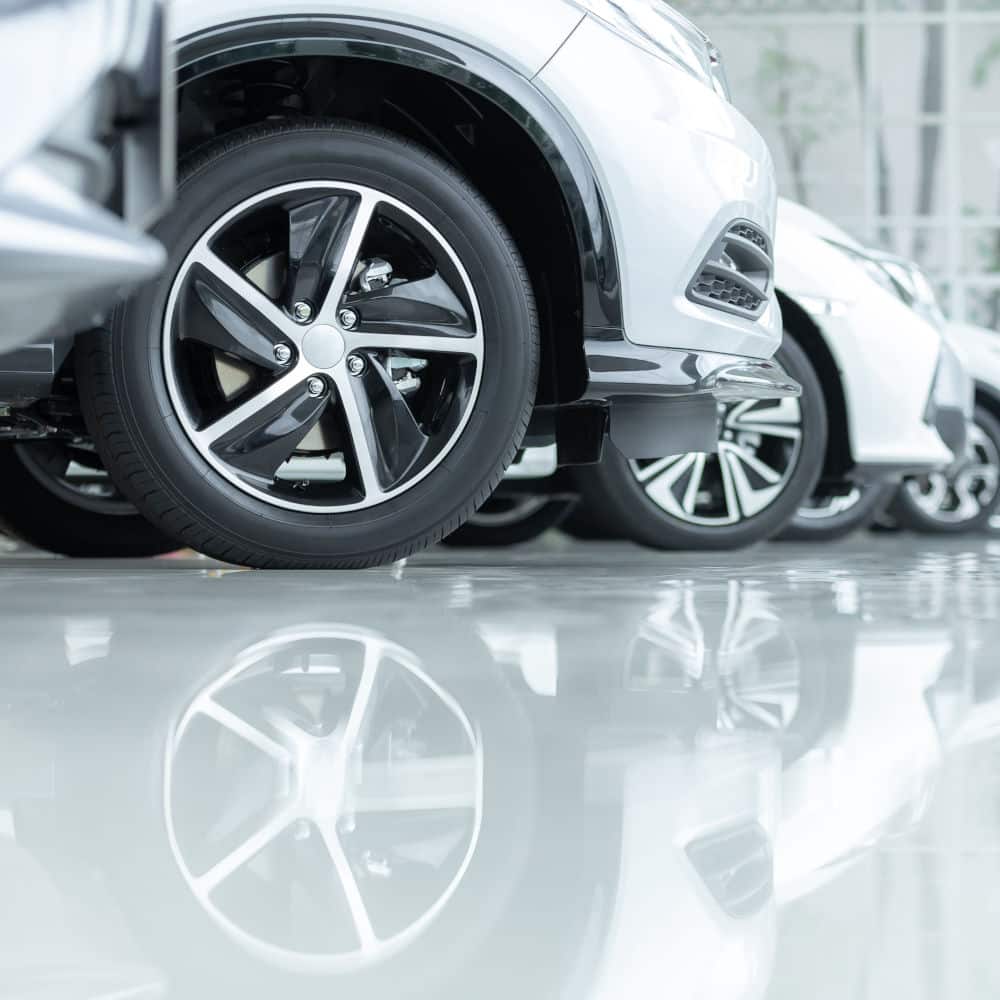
<point x="339" y="363"/>
<point x="964" y="499"/>
<point x="770" y="455"/>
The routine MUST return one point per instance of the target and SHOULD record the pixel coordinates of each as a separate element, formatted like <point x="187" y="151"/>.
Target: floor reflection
<point x="597" y="775"/>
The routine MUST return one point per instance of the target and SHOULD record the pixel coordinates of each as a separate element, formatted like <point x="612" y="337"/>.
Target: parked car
<point x="400" y="238"/>
<point x="813" y="468"/>
<point x="87" y="164"/>
<point x="966" y="496"/>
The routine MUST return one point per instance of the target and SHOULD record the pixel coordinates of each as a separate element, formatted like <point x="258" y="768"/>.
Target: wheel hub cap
<point x="323" y="347"/>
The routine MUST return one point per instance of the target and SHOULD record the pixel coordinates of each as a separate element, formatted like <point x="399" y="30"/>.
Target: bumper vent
<point x="737" y="867"/>
<point x="736" y="275"/>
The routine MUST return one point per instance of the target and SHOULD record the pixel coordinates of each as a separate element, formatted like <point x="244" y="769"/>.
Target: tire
<point x="962" y="501"/>
<point x="613" y="495"/>
<point x="832" y="516"/>
<point x="41" y="507"/>
<point x="510" y="520"/>
<point x="159" y="385"/>
<point x="583" y="525"/>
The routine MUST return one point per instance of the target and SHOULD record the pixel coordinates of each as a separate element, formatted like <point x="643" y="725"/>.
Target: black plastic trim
<point x="952" y="426"/>
<point x="711" y="265"/>
<point x="883" y="472"/>
<point x="361" y="38"/>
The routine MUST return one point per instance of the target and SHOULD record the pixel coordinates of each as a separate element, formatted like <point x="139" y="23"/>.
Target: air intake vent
<point x="748" y="232"/>
<point x="736" y="274"/>
<point x="737" y="867"/>
<point x="723" y="289"/>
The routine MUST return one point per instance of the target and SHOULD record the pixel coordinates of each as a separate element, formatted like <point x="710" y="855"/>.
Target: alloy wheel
<point x="759" y="447"/>
<point x="960" y="496"/>
<point x="323" y="347"/>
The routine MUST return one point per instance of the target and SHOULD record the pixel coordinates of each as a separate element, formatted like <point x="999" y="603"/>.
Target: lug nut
<point x="302" y="311"/>
<point x="315" y="386"/>
<point x="348" y="319"/>
<point x="356" y="364"/>
<point x="282" y="354"/>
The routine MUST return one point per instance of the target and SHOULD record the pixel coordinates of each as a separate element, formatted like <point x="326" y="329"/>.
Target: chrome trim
<point x="752" y="380"/>
<point x="618" y="367"/>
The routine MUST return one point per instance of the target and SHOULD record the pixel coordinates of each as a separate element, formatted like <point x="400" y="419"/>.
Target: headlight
<point x="917" y="286"/>
<point x="659" y="29"/>
<point x="870" y="262"/>
<point x="902" y="277"/>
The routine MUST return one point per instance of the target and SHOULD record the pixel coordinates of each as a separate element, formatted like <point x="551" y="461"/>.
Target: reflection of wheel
<point x="836" y="510"/>
<point x="334" y="806"/>
<point x="56" y="496"/>
<point x="769" y="457"/>
<point x="511" y="520"/>
<point x="964" y="500"/>
<point x="339" y="364"/>
<point x="327" y="759"/>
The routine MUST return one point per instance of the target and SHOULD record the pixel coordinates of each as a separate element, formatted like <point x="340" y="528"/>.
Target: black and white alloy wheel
<point x="321" y="410"/>
<point x="758" y="453"/>
<point x="56" y="496"/>
<point x="963" y="499"/>
<point x="769" y="457"/>
<point x="339" y="364"/>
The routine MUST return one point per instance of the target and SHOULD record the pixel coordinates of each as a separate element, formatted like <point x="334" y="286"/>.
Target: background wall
<point x="884" y="115"/>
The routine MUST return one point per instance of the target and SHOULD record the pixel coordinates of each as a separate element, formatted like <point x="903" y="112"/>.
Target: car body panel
<point x="979" y="348"/>
<point x="887" y="355"/>
<point x="67" y="252"/>
<point x="678" y="165"/>
<point x="523" y="33"/>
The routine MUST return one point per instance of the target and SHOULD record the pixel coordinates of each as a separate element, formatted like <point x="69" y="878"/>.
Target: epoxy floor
<point x="567" y="771"/>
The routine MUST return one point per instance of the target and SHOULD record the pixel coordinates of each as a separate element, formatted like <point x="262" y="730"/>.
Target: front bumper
<point x="678" y="167"/>
<point x="649" y="401"/>
<point x="666" y="402"/>
<point x="73" y="204"/>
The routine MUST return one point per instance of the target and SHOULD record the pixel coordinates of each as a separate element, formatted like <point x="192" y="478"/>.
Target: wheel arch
<point x="566" y="241"/>
<point x="839" y="458"/>
<point x="988" y="397"/>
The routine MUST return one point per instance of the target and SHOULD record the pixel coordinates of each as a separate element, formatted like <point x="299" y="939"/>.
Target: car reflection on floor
<point x="564" y="774"/>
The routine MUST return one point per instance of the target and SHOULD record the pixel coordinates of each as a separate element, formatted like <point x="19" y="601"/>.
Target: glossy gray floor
<point x="566" y="771"/>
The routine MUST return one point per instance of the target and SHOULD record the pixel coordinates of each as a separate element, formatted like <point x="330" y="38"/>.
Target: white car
<point x="86" y="163"/>
<point x="404" y="232"/>
<point x="966" y="496"/>
<point x="884" y="396"/>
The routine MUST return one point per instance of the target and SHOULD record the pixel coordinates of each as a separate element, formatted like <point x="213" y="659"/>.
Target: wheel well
<point x="498" y="156"/>
<point x="807" y="335"/>
<point x="988" y="400"/>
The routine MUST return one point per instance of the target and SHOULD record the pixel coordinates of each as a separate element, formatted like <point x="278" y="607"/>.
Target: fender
<point x="263" y="38"/>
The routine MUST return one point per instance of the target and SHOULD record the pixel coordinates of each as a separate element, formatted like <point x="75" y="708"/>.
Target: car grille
<point x="736" y="275"/>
